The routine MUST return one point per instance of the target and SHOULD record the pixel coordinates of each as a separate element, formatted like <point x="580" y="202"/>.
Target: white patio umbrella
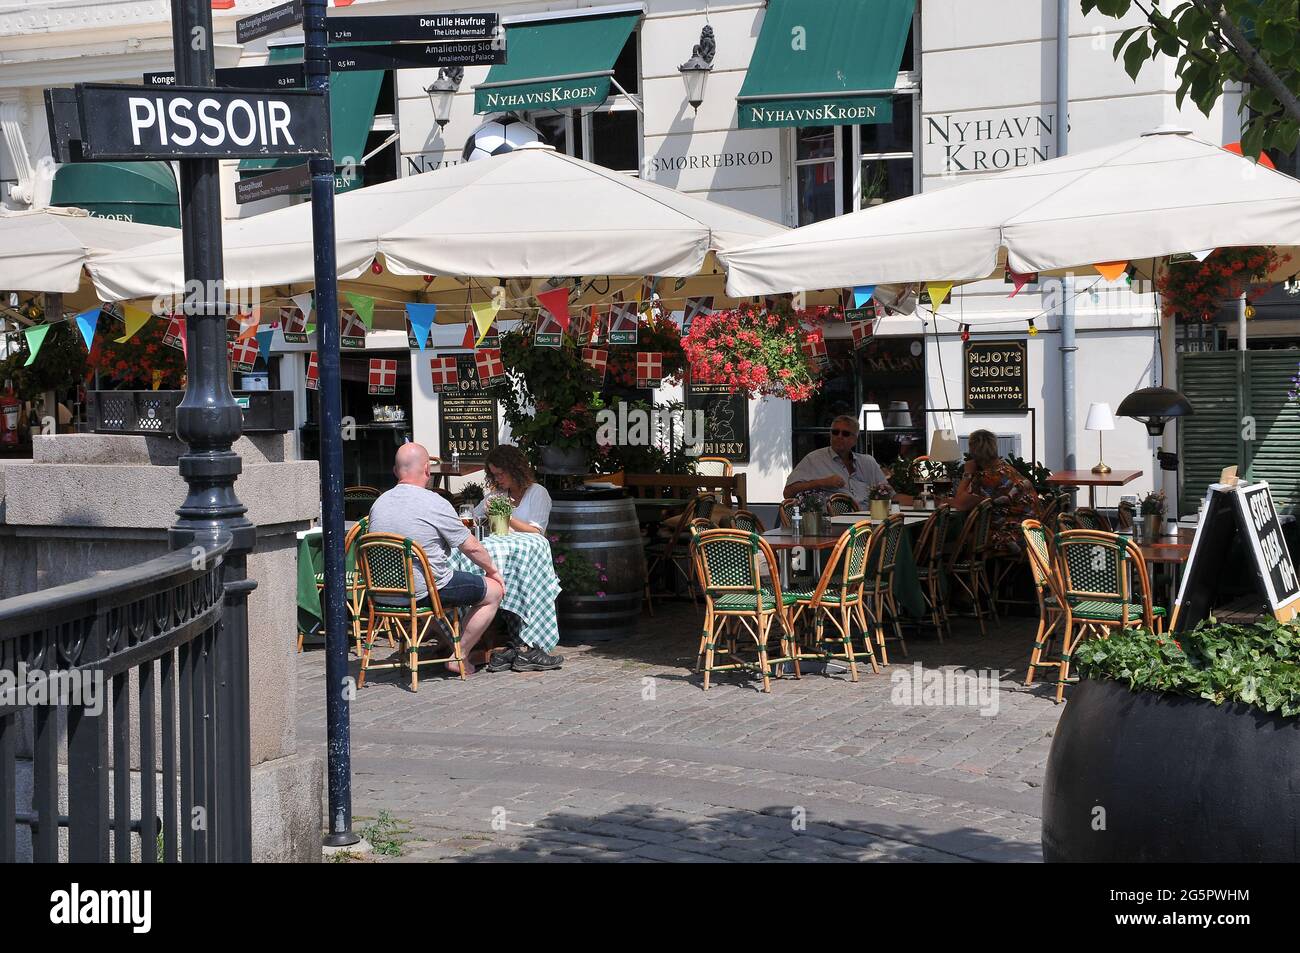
<point x="532" y="213"/>
<point x="45" y="249"/>
<point x="1139" y="200"/>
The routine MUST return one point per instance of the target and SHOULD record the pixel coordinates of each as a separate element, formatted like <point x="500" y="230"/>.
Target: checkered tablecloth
<point x="531" y="585"/>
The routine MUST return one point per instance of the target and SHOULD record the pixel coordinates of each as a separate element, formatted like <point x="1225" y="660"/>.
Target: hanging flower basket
<point x="1194" y="290"/>
<point x="758" y="352"/>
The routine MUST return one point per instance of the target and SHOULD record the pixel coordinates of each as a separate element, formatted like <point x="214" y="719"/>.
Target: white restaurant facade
<point x="973" y="93"/>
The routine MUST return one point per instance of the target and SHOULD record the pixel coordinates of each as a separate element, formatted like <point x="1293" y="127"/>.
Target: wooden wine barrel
<point x="602" y="526"/>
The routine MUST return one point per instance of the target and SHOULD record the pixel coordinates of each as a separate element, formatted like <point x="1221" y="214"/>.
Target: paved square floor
<point x="620" y="756"/>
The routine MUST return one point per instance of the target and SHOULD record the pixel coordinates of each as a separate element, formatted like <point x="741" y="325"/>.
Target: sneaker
<point x="533" y="659"/>
<point x="502" y="659"/>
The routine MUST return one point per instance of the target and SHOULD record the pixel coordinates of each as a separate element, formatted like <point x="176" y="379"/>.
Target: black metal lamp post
<point x="209" y="422"/>
<point x="337" y="680"/>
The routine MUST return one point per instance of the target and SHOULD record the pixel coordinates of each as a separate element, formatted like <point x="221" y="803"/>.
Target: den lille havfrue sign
<point x="996" y="375"/>
<point x="133" y="123"/>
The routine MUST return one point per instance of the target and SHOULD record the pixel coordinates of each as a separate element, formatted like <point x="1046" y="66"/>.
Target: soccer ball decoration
<point x="499" y="136"/>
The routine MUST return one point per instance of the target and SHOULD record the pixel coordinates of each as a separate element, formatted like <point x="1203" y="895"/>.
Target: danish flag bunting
<point x="313" y="373"/>
<point x="294" y="324"/>
<point x="383" y="376"/>
<point x="695" y="307"/>
<point x="175" y="336"/>
<point x="352" y="333"/>
<point x="446" y="377"/>
<point x="862" y="332"/>
<point x="649" y="368"/>
<point x="598" y="360"/>
<point x="233" y="326"/>
<point x="550" y="332"/>
<point x="623" y="322"/>
<point x="243" y="354"/>
<point x="487" y="361"/>
<point x="816" y="349"/>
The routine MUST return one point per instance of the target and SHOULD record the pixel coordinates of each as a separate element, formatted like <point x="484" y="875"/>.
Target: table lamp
<point x="872" y="421"/>
<point x="943" y="449"/>
<point x="1100" y="419"/>
<point x="899" y="416"/>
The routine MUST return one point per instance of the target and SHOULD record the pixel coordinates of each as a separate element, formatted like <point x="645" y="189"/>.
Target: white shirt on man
<point x="824" y="462"/>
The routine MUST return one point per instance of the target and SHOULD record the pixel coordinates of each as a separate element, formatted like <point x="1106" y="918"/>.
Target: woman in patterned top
<point x="988" y="476"/>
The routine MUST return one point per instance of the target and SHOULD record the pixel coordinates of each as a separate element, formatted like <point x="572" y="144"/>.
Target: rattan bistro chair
<point x="882" y="558"/>
<point x="714" y="466"/>
<point x="388" y="569"/>
<point x="786" y="513"/>
<point x="355" y="590"/>
<point x="931" y="566"/>
<point x="837" y="504"/>
<point x="969" y="565"/>
<point x="1089" y="518"/>
<point x="747" y="521"/>
<point x="839" y="597"/>
<point x="673" y="549"/>
<point x="1051" y="603"/>
<point x="737" y="601"/>
<point x="1096" y="572"/>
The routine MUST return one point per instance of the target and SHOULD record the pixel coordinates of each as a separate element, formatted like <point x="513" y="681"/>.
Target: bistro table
<point x="531" y="584"/>
<point x="1074" y="478"/>
<point x="440" y="471"/>
<point x="1172" y="551"/>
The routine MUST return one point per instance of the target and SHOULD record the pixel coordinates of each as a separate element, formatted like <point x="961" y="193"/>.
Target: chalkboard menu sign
<point x="996" y="375"/>
<point x="468" y="418"/>
<point x="726" y="421"/>
<point x="1247" y="512"/>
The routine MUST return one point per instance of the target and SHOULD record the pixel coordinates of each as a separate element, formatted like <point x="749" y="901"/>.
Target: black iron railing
<point x="172" y="681"/>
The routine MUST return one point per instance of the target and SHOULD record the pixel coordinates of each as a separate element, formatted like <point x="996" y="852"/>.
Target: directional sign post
<point x="442" y="26"/>
<point x="268" y="22"/>
<point x="271" y="76"/>
<point x="415" y="56"/>
<point x="279" y="182"/>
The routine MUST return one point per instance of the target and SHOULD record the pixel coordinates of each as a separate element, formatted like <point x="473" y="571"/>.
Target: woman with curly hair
<point x="508" y="472"/>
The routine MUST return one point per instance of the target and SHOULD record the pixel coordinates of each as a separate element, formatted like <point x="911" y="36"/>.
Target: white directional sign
<point x="129" y="122"/>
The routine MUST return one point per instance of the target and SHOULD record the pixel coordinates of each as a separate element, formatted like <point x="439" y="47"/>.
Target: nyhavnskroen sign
<point x="842" y="111"/>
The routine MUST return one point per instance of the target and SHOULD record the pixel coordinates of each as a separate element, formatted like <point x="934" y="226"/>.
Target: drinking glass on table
<point x="467" y="516"/>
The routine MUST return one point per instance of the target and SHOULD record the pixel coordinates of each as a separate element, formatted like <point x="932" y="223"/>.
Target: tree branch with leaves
<point x="1218" y="42"/>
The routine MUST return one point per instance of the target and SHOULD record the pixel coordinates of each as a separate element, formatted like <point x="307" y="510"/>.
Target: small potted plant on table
<point x="879" y="497"/>
<point x="498" y="513"/>
<point x="812" y="505"/>
<point x="1152" y="509"/>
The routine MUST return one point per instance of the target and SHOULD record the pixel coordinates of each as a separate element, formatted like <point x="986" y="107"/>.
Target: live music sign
<point x="130" y="122"/>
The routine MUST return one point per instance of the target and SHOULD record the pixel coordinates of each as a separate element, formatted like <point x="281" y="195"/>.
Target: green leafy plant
<point x="1255" y="664"/>
<point x="500" y="506"/>
<point x="664" y="452"/>
<point x="811" y="501"/>
<point x="1219" y="43"/>
<point x="1153" y="504"/>
<point x="880" y="491"/>
<point x="384" y="835"/>
<point x="902" y="476"/>
<point x="472" y="493"/>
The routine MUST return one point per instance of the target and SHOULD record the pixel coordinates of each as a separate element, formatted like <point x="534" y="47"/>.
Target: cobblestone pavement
<point x="621" y="756"/>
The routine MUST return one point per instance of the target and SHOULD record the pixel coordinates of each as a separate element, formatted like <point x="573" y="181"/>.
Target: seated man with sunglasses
<point x="837" y="469"/>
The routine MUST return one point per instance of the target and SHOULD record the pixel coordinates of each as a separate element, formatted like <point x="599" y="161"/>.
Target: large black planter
<point x="1179" y="779"/>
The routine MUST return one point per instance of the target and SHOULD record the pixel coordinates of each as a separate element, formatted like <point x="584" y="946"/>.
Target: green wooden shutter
<point x="1275" y="452"/>
<point x="1209" y="439"/>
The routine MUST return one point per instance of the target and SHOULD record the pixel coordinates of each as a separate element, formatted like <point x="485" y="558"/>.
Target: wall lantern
<point x="443" y="91"/>
<point x="695" y="71"/>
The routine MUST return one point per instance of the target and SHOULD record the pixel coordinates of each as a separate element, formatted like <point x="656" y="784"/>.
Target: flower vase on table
<point x="812" y="525"/>
<point x="878" y="504"/>
<point x="879" y="510"/>
<point x="499" y="510"/>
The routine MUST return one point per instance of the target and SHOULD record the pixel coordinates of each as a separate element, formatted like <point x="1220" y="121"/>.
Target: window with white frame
<point x="610" y="134"/>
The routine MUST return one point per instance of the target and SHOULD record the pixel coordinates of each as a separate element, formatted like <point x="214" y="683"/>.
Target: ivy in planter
<point x="1255" y="664"/>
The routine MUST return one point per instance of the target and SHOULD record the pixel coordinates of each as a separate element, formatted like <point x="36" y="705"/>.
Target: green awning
<point x="143" y="192"/>
<point x="828" y="63"/>
<point x="353" y="97"/>
<point x="556" y="64"/>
